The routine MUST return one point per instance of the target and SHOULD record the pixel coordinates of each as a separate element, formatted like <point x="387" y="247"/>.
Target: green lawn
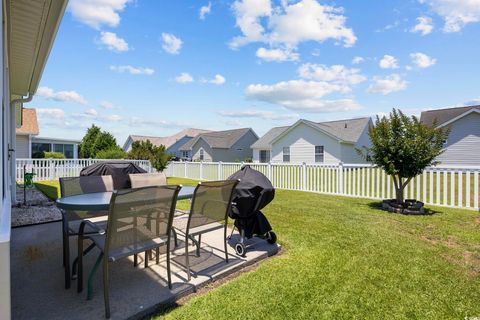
<point x="345" y="259"/>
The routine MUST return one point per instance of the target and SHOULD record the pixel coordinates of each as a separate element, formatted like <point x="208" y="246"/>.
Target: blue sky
<point x="156" y="67"/>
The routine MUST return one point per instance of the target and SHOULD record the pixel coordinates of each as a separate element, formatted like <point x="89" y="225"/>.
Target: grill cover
<point x="119" y="170"/>
<point x="253" y="193"/>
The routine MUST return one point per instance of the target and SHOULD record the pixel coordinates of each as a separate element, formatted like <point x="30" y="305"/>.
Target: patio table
<point x="100" y="201"/>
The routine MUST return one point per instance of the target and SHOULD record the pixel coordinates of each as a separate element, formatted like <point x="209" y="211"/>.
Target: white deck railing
<point x="452" y="186"/>
<point x="51" y="169"/>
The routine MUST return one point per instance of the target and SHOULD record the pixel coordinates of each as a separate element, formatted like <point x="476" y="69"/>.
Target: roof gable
<point x="167" y="141"/>
<point x="446" y="116"/>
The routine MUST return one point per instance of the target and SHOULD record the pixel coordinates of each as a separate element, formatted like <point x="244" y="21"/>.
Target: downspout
<point x="22" y="100"/>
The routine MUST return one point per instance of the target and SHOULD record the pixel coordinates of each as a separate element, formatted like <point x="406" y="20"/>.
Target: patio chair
<point x="139" y="220"/>
<point x="71" y="219"/>
<point x="211" y="204"/>
<point x="140" y="180"/>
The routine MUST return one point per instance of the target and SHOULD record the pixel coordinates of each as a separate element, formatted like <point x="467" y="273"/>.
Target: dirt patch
<point x="33" y="253"/>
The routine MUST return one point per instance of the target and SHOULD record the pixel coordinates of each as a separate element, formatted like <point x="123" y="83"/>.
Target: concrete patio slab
<point x="38" y="287"/>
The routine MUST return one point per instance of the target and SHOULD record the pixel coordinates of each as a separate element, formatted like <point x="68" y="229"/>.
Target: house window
<point x="239" y="149"/>
<point x="66" y="149"/>
<point x="39" y="147"/>
<point x="264" y="156"/>
<point x="286" y="154"/>
<point x="202" y="154"/>
<point x="319" y="154"/>
<point x="185" y="154"/>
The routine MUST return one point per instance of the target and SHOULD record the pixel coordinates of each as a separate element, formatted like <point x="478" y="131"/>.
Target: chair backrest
<point x="139" y="218"/>
<point x="85" y="184"/>
<point x="140" y="180"/>
<point x="211" y="202"/>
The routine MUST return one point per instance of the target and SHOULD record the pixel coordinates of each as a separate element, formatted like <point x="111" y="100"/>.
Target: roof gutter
<point x="22" y="100"/>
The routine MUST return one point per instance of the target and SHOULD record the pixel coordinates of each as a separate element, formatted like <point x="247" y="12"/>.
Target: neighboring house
<point x="463" y="143"/>
<point x="314" y="142"/>
<point x="172" y="143"/>
<point x="28" y="142"/>
<point x="226" y="146"/>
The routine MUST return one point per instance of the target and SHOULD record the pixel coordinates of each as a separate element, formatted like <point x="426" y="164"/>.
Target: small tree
<point x="146" y="150"/>
<point x="88" y="141"/>
<point x="103" y="141"/>
<point x="114" y="153"/>
<point x="403" y="147"/>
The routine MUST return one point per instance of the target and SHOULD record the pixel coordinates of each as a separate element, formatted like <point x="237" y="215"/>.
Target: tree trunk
<point x="399" y="191"/>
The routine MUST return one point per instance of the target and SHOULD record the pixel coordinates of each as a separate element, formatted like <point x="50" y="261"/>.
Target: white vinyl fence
<point x="453" y="186"/>
<point x="51" y="169"/>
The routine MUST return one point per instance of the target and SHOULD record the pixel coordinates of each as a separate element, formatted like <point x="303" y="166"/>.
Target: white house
<point x="28" y="142"/>
<point x="27" y="35"/>
<point x="314" y="142"/>
<point x="172" y="143"/>
<point x="463" y="143"/>
<point x="226" y="146"/>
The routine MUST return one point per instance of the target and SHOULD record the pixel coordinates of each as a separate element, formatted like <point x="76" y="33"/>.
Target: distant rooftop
<point x="30" y="122"/>
<point x="169" y="140"/>
<point x="217" y="139"/>
<point x="444" y="115"/>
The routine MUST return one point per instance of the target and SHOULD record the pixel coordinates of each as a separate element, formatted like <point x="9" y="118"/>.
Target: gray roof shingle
<point x="444" y="115"/>
<point x="170" y="140"/>
<point x="217" y="139"/>
<point x="348" y="130"/>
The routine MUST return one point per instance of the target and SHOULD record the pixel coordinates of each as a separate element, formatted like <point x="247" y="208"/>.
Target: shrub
<point x="38" y="155"/>
<point x="113" y="153"/>
<point x="54" y="155"/>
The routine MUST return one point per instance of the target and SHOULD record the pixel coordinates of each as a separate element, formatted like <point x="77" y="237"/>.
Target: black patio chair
<point x="211" y="204"/>
<point x="71" y="219"/>
<point x="140" y="220"/>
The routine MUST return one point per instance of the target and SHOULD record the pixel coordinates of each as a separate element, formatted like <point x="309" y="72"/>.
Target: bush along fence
<point x="51" y="169"/>
<point x="453" y="186"/>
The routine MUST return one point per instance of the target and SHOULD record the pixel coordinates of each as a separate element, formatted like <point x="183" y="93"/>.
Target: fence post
<point x="269" y="171"/>
<point x="185" y="170"/>
<point x="305" y="175"/>
<point x="340" y="177"/>
<point x="219" y="170"/>
<point x="201" y="170"/>
<point x="51" y="169"/>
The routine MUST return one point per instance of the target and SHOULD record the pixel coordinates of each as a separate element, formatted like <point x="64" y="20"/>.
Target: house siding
<point x="174" y="148"/>
<point x="227" y="155"/>
<point x="302" y="141"/>
<point x="201" y="144"/>
<point x="463" y="143"/>
<point x="22" y="146"/>
<point x="349" y="152"/>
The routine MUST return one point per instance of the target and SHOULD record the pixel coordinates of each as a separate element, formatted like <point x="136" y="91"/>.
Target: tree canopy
<point x="146" y="150"/>
<point x="403" y="147"/>
<point x="97" y="141"/>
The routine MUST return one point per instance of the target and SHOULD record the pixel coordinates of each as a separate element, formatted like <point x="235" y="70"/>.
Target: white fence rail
<point x="455" y="186"/>
<point x="51" y="169"/>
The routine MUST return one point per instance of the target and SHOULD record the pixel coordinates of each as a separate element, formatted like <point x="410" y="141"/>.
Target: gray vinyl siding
<point x="22" y="146"/>
<point x="463" y="144"/>
<point x="208" y="152"/>
<point x="349" y="152"/>
<point x="174" y="148"/>
<point x="302" y="141"/>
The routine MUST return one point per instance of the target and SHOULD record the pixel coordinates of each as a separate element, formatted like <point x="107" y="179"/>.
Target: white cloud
<point x="171" y="44"/>
<point x="337" y="74"/>
<point x="289" y="24"/>
<point x="218" y="80"/>
<point x="106" y="105"/>
<point x="265" y="115"/>
<point x="91" y="112"/>
<point x="301" y="95"/>
<point x="456" y="13"/>
<point x="387" y="84"/>
<point x="113" y="42"/>
<point x="184" y="77"/>
<point x="96" y="13"/>
<point x="357" y="60"/>
<point x="388" y="62"/>
<point x="421" y="60"/>
<point x="277" y="55"/>
<point x="133" y="70"/>
<point x="424" y="25"/>
<point x="204" y="10"/>
<point x="113" y="118"/>
<point x="51" y="113"/>
<point x="63" y="96"/>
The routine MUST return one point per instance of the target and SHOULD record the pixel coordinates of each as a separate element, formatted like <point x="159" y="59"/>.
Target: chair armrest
<point x="81" y="229"/>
